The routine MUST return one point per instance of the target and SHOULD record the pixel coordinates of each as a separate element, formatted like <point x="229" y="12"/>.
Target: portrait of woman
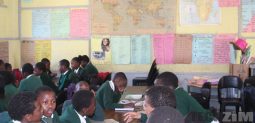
<point x="105" y="45"/>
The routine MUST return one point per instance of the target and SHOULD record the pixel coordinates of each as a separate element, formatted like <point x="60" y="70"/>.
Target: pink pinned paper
<point x="163" y="48"/>
<point x="222" y="48"/>
<point x="79" y="23"/>
<point x="229" y="3"/>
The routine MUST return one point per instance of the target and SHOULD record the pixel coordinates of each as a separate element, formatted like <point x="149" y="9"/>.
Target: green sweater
<point x="88" y="71"/>
<point x="107" y="98"/>
<point x="31" y="83"/>
<point x="55" y="119"/>
<point x="66" y="79"/>
<point x="185" y="104"/>
<point x="70" y="116"/>
<point x="47" y="80"/>
<point x="10" y="90"/>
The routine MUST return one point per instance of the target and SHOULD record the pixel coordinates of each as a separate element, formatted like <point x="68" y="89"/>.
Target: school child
<point x="99" y="112"/>
<point x="83" y="105"/>
<point x="47" y="64"/>
<point x="8" y="67"/>
<point x="47" y="98"/>
<point x="30" y="81"/>
<point x="40" y="70"/>
<point x="75" y="63"/>
<point x="25" y="108"/>
<point x="109" y="94"/>
<point x="89" y="70"/>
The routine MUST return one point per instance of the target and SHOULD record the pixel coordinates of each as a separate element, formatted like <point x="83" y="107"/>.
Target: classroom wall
<point x="68" y="48"/>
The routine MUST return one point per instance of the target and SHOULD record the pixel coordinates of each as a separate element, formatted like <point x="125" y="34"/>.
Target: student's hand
<point x="130" y="116"/>
<point x="129" y="105"/>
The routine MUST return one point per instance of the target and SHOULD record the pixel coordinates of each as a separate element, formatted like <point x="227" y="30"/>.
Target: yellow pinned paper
<point x="42" y="50"/>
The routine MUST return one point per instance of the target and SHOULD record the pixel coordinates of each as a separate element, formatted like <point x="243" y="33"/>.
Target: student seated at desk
<point x="184" y="102"/>
<point x="155" y="97"/>
<point x="99" y="112"/>
<point x="40" y="70"/>
<point x="30" y="82"/>
<point x="83" y="105"/>
<point x="47" y="99"/>
<point x="25" y="108"/>
<point x="109" y="94"/>
<point x="89" y="69"/>
<point x="75" y="64"/>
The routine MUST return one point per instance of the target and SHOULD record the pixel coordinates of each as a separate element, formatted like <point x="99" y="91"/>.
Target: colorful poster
<point x="197" y="12"/>
<point x="222" y="48"/>
<point x="41" y="23"/>
<point x="121" y="49"/>
<point x="163" y="45"/>
<point x="229" y="3"/>
<point x="4" y="51"/>
<point x="60" y="23"/>
<point x="183" y="49"/>
<point x="248" y="16"/>
<point x="79" y="23"/>
<point x="101" y="50"/>
<point x="140" y="49"/>
<point x="28" y="52"/>
<point x="202" y="49"/>
<point x="42" y="50"/>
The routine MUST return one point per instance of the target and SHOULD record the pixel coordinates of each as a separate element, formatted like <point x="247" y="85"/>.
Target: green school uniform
<point x="78" y="73"/>
<point x="70" y="116"/>
<point x="47" y="80"/>
<point x="10" y="90"/>
<point x="98" y="115"/>
<point x="54" y="119"/>
<point x="31" y="83"/>
<point x="4" y="117"/>
<point x="107" y="98"/>
<point x="185" y="104"/>
<point x="88" y="71"/>
<point x="66" y="79"/>
<point x="3" y="104"/>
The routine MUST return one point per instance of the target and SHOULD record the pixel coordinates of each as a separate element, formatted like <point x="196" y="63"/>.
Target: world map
<point x="199" y="12"/>
<point x="133" y="16"/>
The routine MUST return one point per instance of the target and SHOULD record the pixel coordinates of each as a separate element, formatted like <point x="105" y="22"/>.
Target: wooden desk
<point x="118" y="116"/>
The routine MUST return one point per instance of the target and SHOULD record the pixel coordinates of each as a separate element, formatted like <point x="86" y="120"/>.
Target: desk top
<point x="118" y="116"/>
<point x="200" y="85"/>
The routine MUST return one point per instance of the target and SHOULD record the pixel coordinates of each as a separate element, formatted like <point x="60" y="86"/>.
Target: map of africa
<point x="133" y="16"/>
<point x="199" y="12"/>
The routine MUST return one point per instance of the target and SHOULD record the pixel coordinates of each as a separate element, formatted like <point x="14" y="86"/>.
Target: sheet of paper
<point x="60" y="21"/>
<point x="124" y="109"/>
<point x="98" y="54"/>
<point x="42" y="50"/>
<point x="248" y="16"/>
<point x="41" y="23"/>
<point x="202" y="49"/>
<point x="140" y="49"/>
<point x="79" y="23"/>
<point x="222" y="48"/>
<point x="110" y="121"/>
<point x="121" y="53"/>
<point x="27" y="52"/>
<point x="163" y="48"/>
<point x="4" y="51"/>
<point x="229" y="3"/>
<point x="183" y="49"/>
<point x="133" y="96"/>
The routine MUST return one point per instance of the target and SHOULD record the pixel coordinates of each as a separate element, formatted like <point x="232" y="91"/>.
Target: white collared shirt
<point x="65" y="72"/>
<point x="76" y="70"/>
<point x="16" y="121"/>
<point x="47" y="117"/>
<point x="29" y="76"/>
<point x="112" y="85"/>
<point x="82" y="119"/>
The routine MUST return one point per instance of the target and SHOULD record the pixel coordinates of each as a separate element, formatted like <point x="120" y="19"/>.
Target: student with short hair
<point x="83" y="105"/>
<point x="89" y="69"/>
<point x="47" y="64"/>
<point x="99" y="112"/>
<point x="76" y="63"/>
<point x="67" y="75"/>
<point x="30" y="81"/>
<point x="40" y="70"/>
<point x="8" y="67"/>
<point x="109" y="94"/>
<point x="24" y="108"/>
<point x="47" y="98"/>
<point x="154" y="97"/>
